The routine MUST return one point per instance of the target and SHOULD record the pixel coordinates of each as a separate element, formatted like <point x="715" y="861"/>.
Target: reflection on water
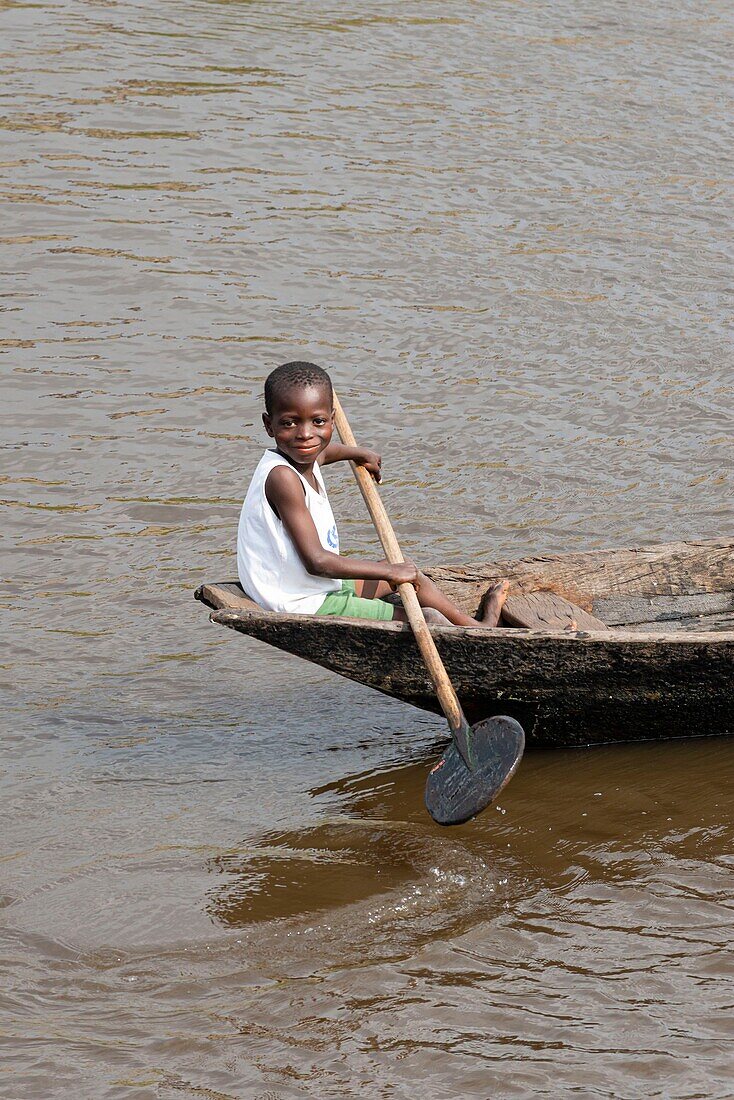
<point x="563" y="927"/>
<point x="559" y="828"/>
<point x="570" y="926"/>
<point x="291" y="874"/>
<point x="504" y="228"/>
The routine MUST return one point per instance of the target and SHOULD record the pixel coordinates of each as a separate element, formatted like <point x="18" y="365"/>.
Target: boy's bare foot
<point x="493" y="602"/>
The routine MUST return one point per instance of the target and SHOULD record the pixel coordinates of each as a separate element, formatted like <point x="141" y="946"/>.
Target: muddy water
<point x="503" y="227"/>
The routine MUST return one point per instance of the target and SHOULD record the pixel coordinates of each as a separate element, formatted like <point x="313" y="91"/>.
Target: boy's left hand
<point x="371" y="461"/>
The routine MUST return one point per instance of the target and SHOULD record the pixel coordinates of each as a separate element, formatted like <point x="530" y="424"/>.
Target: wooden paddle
<point x="482" y="758"/>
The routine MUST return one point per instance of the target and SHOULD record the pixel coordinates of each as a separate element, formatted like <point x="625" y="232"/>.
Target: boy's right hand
<point x="406" y="572"/>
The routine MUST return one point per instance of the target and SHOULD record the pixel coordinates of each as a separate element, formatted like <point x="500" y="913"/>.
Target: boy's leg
<point x="431" y="596"/>
<point x="372" y="590"/>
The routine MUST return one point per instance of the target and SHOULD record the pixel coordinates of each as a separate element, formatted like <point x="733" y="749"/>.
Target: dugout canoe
<point x="661" y="669"/>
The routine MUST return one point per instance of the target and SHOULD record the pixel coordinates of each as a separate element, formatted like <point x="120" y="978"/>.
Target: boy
<point x="287" y="542"/>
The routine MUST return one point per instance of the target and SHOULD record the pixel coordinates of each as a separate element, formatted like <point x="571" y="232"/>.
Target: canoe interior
<point x="676" y="587"/>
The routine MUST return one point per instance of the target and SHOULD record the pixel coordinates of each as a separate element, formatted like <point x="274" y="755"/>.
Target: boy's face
<point x="301" y="423"/>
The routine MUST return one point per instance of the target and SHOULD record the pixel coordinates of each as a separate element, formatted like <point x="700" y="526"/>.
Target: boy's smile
<point x="301" y="424"/>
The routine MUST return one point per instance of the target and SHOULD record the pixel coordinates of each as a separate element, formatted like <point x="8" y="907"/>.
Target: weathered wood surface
<point x="667" y="570"/>
<point x="547" y="611"/>
<point x="718" y="623"/>
<point x="227" y="594"/>
<point x="625" y="610"/>
<point x="564" y="688"/>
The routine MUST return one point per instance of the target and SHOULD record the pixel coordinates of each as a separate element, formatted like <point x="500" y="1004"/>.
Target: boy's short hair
<point x="283" y="378"/>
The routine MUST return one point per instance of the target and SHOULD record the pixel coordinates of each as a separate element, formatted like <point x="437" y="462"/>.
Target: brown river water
<point x="503" y="227"/>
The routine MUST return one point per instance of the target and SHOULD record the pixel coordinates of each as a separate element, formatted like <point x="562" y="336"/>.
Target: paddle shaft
<point x="447" y="697"/>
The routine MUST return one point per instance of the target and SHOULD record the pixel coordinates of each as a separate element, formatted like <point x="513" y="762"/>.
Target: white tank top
<point x="270" y="570"/>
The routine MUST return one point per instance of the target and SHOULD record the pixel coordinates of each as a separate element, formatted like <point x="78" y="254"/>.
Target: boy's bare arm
<point x="363" y="456"/>
<point x="284" y="491"/>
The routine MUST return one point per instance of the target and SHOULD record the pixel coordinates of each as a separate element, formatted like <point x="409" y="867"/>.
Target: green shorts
<point x="346" y="602"/>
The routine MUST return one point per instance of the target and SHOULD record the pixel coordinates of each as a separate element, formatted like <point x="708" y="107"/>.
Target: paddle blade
<point x="455" y="794"/>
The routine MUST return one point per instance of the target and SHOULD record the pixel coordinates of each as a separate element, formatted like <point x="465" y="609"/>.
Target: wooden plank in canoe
<point x="708" y="623"/>
<point x="227" y="595"/>
<point x="670" y="570"/>
<point x="547" y="611"/>
<point x="625" y="610"/>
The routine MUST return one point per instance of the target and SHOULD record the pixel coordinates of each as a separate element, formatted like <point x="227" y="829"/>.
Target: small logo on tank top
<point x="333" y="538"/>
